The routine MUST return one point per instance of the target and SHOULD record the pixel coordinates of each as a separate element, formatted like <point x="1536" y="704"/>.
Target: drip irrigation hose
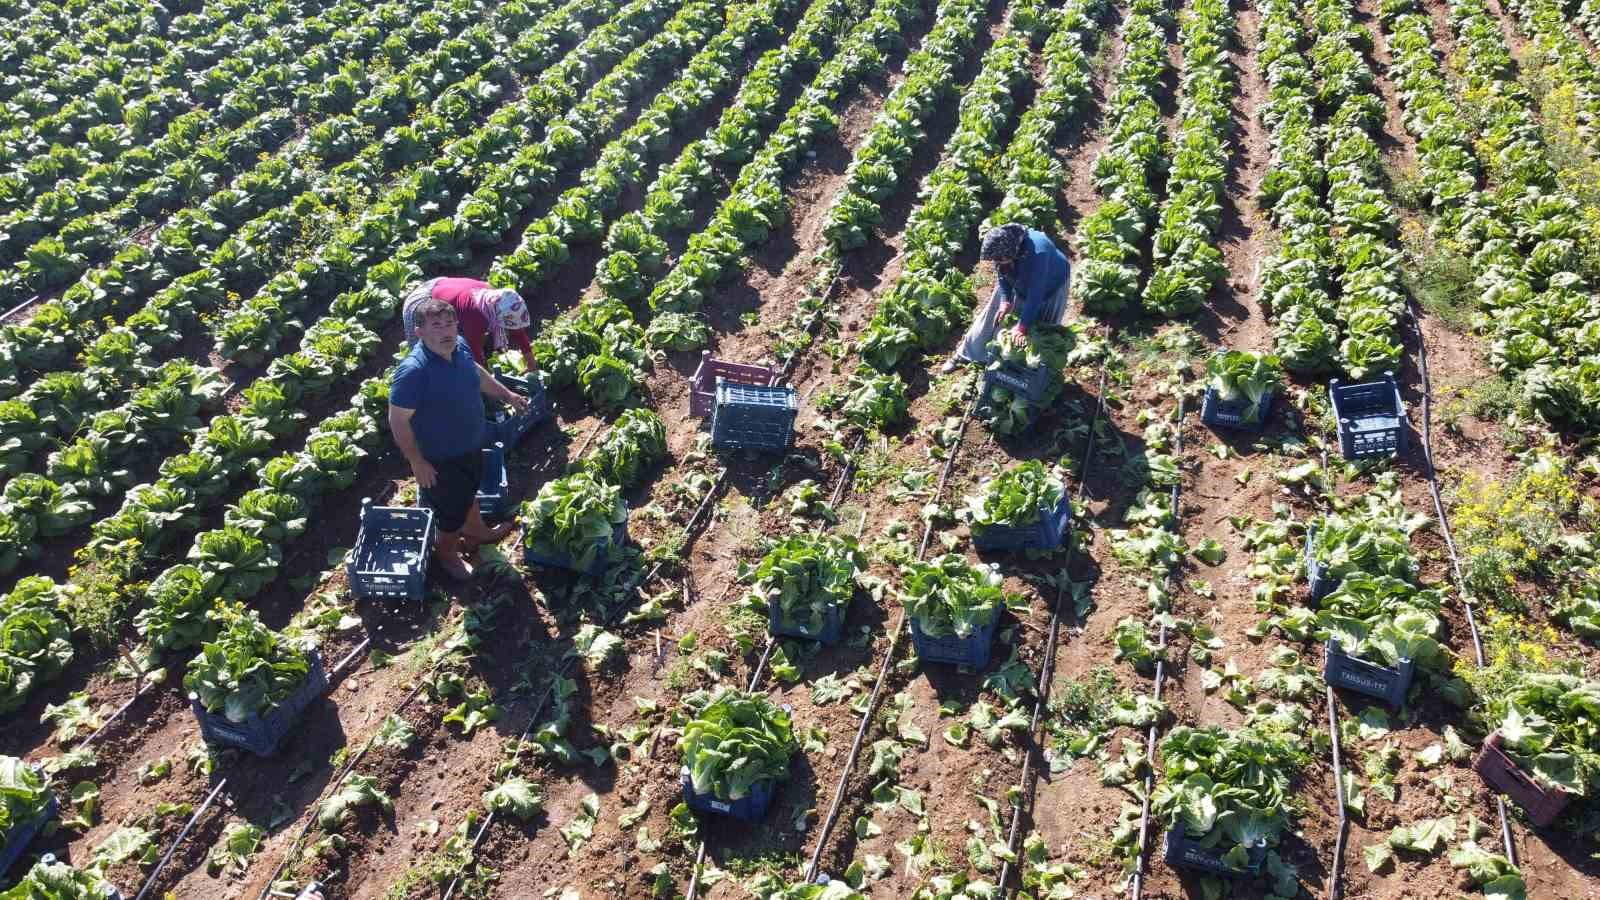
<point x="141" y="691"/>
<point x="690" y="532"/>
<point x="155" y="873"/>
<point x="1336" y="871"/>
<point x="766" y="653"/>
<point x="1161" y="667"/>
<point x="343" y="771"/>
<point x="6" y="317"/>
<point x="150" y="880"/>
<point x="1041" y="693"/>
<point x="896" y="631"/>
<point x="1506" y="836"/>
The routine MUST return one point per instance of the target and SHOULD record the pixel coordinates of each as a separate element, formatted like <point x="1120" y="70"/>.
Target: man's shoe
<point x="950" y="365"/>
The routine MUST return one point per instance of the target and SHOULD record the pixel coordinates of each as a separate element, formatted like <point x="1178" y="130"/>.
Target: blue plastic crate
<point x="508" y="428"/>
<point x="1371" y="418"/>
<point x="1218" y="412"/>
<point x="1031" y="383"/>
<point x="751" y="809"/>
<point x="1047" y="534"/>
<point x="832" y="625"/>
<point x="619" y="536"/>
<point x="1386" y="683"/>
<point x="971" y="651"/>
<point x="390" y="558"/>
<point x="752" y="417"/>
<point x="494" y="488"/>
<point x="1322" y="584"/>
<point x="23" y="833"/>
<point x="263" y="734"/>
<point x="1184" y="853"/>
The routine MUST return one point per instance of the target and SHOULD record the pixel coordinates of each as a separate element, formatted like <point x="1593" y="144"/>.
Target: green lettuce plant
<point x="236" y="563"/>
<point x="573" y="517"/>
<point x="635" y="442"/>
<point x="805" y="575"/>
<point x="950" y="596"/>
<point x="59" y="881"/>
<point x="1229" y="789"/>
<point x="1015" y="497"/>
<point x="248" y="668"/>
<point x="734" y="741"/>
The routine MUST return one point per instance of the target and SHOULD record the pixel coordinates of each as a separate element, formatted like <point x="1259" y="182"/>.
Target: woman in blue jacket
<point x="1033" y="277"/>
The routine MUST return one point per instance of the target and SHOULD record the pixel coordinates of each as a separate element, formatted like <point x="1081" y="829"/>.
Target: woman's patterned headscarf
<point x="1004" y="243"/>
<point x="505" y="311"/>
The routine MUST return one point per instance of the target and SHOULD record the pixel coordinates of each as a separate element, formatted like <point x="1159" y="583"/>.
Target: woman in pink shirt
<point x="482" y="311"/>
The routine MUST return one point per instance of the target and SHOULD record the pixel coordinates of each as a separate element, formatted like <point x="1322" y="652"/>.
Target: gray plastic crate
<point x="1386" y="683"/>
<point x="1183" y="853"/>
<point x="507" y="427"/>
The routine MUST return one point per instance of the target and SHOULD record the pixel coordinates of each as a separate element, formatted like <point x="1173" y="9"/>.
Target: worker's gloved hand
<point x="1020" y="331"/>
<point x="516" y="401"/>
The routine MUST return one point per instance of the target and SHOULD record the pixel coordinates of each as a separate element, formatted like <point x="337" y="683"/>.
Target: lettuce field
<point x="1175" y="619"/>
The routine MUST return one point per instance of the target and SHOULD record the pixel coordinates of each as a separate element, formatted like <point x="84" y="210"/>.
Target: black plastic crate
<point x="971" y="651"/>
<point x="1322" y="584"/>
<point x="832" y="625"/>
<point x="390" y="558"/>
<point x="263" y="734"/>
<point x="608" y="547"/>
<point x="507" y="427"/>
<point x="1386" y="683"/>
<point x="1046" y="534"/>
<point x="21" y="834"/>
<point x="1371" y="418"/>
<point x="752" y="417"/>
<point x="494" y="488"/>
<point x="1184" y="853"/>
<point x="1217" y="412"/>
<point x="751" y="809"/>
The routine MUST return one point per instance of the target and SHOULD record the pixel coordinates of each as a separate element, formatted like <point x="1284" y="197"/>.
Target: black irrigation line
<point x="1336" y="872"/>
<point x="896" y="632"/>
<point x="140" y="689"/>
<point x="691" y="530"/>
<point x="772" y="642"/>
<point x="1041" y="693"/>
<point x="1506" y="837"/>
<point x="334" y="676"/>
<point x="1161" y="666"/>
<point x="6" y="316"/>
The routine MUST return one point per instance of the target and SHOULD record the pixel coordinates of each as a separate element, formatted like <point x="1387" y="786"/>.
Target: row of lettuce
<point x="161" y="416"/>
<point x="1524" y="232"/>
<point x="340" y="345"/>
<point x="99" y="191"/>
<point x="278" y="213"/>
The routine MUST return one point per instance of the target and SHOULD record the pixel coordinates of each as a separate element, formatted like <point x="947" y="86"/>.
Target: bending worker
<point x="437" y="416"/>
<point x="1032" y="279"/>
<point x="482" y="311"/>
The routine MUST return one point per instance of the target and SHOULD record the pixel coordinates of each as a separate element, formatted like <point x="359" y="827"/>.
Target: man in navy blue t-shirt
<point x="437" y="417"/>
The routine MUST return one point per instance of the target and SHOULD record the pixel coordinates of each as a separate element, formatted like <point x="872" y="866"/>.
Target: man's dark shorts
<point x="456" y="489"/>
